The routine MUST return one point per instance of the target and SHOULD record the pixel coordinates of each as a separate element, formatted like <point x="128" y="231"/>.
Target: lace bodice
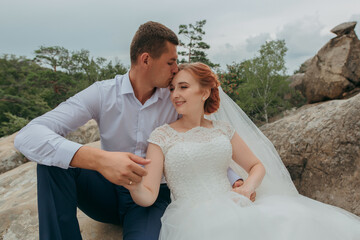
<point x="196" y="161"/>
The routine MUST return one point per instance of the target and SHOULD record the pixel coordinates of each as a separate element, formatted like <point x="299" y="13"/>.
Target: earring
<point x="204" y="98"/>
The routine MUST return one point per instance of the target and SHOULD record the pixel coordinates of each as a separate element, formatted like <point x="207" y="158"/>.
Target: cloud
<point x="303" y="39"/>
<point x="235" y="29"/>
<point x="253" y="43"/>
<point x="227" y="54"/>
<point x="356" y="17"/>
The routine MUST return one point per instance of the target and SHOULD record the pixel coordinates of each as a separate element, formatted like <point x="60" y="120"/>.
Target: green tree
<point x="263" y="92"/>
<point x="28" y="90"/>
<point x="20" y="97"/>
<point x="53" y="56"/>
<point x="231" y="79"/>
<point x="194" y="45"/>
<point x="258" y="85"/>
<point x="95" y="69"/>
<point x="110" y="70"/>
<point x="13" y="124"/>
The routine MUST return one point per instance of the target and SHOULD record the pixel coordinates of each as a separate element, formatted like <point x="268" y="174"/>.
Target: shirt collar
<point x="126" y="88"/>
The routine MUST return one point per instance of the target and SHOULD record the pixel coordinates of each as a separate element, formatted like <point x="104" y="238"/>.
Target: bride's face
<point x="186" y="93"/>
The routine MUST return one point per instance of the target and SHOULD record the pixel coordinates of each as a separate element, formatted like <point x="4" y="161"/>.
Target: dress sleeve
<point x="160" y="137"/>
<point x="227" y="129"/>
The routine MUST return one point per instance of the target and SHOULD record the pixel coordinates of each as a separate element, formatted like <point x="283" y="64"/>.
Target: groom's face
<point x="165" y="67"/>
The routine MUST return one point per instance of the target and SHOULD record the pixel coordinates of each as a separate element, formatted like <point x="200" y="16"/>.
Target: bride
<point x="194" y="153"/>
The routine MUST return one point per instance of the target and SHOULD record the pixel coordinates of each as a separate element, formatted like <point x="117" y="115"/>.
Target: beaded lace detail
<point x="196" y="161"/>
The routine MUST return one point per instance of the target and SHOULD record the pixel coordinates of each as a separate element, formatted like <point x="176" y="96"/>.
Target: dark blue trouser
<point x="61" y="191"/>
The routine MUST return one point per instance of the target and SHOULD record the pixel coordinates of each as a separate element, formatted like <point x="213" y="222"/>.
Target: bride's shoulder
<point x="163" y="129"/>
<point x="225" y="127"/>
<point x="162" y="136"/>
<point x="222" y="123"/>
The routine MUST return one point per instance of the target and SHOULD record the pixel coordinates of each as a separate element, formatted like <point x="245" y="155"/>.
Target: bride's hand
<point x="238" y="188"/>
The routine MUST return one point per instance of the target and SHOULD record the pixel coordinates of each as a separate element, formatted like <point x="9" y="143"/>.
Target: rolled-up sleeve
<point x="42" y="140"/>
<point x="233" y="177"/>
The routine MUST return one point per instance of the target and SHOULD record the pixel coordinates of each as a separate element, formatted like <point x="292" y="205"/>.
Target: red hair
<point x="207" y="79"/>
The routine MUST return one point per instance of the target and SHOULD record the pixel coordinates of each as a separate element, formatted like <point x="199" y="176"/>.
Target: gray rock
<point x="305" y="65"/>
<point x="320" y="146"/>
<point x="18" y="208"/>
<point x="87" y="133"/>
<point x="344" y="28"/>
<point x="334" y="70"/>
<point x="9" y="157"/>
<point x="296" y="81"/>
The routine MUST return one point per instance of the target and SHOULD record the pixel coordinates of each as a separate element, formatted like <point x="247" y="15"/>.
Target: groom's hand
<point x="122" y="168"/>
<point x="239" y="183"/>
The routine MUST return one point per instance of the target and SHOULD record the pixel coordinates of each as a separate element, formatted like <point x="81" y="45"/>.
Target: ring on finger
<point x="130" y="182"/>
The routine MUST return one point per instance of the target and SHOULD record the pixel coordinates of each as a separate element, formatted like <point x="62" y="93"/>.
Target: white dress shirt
<point x="124" y="123"/>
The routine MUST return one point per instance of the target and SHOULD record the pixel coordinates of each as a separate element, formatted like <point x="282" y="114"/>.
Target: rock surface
<point x="18" y="208"/>
<point x="11" y="158"/>
<point x="305" y="65"/>
<point x="297" y="81"/>
<point x="344" y="28"/>
<point x="87" y="133"/>
<point x="320" y="146"/>
<point x="334" y="70"/>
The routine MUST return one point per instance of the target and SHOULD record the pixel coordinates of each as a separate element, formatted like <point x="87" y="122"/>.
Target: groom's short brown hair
<point x="151" y="37"/>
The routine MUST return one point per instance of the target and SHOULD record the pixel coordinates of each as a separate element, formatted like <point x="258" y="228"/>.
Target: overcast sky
<point x="235" y="29"/>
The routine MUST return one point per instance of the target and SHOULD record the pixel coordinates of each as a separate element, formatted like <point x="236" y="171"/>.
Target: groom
<point x="127" y="109"/>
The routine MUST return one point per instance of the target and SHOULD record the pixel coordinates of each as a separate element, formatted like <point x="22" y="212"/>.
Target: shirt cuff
<point x="233" y="177"/>
<point x="65" y="153"/>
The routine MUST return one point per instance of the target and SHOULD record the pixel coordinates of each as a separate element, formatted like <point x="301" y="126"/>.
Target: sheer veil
<point x="277" y="179"/>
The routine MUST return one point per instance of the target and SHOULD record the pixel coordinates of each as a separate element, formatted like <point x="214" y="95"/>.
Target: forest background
<point x="31" y="87"/>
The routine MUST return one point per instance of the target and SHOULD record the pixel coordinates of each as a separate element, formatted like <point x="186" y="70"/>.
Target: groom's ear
<point x="145" y="59"/>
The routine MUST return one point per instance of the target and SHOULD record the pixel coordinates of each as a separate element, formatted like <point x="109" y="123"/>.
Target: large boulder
<point x="335" y="69"/>
<point x="320" y="146"/>
<point x="305" y="65"/>
<point x="87" y="133"/>
<point x="10" y="157"/>
<point x="18" y="208"/>
<point x="297" y="81"/>
<point x="344" y="28"/>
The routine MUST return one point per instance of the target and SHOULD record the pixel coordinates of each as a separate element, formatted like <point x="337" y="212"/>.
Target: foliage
<point x="232" y="79"/>
<point x="13" y="124"/>
<point x="76" y="62"/>
<point x="53" y="56"/>
<point x="259" y="85"/>
<point x="19" y="91"/>
<point x="29" y="90"/>
<point x="194" y="46"/>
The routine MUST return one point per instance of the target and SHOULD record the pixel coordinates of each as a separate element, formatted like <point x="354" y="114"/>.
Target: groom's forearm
<point x="87" y="157"/>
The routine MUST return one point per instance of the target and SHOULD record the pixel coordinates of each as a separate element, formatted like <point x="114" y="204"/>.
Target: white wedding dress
<point x="204" y="207"/>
